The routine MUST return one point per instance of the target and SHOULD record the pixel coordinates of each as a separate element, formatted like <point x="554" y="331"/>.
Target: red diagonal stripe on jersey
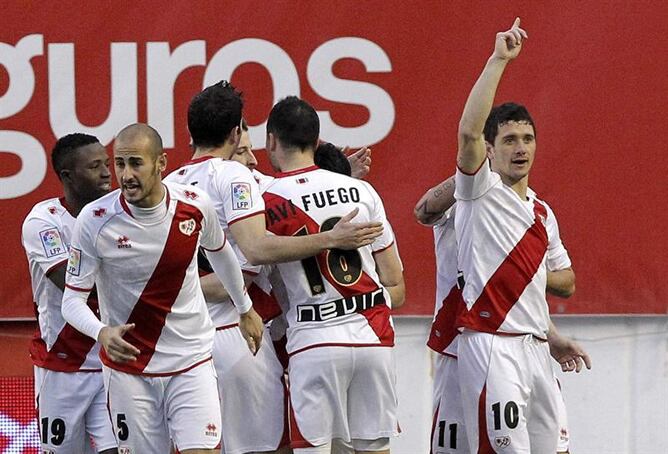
<point x="444" y="327"/>
<point x="68" y="352"/>
<point x="510" y="279"/>
<point x="161" y="290"/>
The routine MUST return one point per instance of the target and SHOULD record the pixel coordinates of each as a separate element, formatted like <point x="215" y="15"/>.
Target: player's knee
<point x="377" y="446"/>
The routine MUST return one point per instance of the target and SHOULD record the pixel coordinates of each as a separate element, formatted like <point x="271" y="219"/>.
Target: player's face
<point x="513" y="152"/>
<point x="138" y="172"/>
<point x="91" y="177"/>
<point x="244" y="152"/>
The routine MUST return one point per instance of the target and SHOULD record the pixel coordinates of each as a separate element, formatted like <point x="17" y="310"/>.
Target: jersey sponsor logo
<point x="187" y="227"/>
<point x="74" y="263"/>
<point x="99" y="212"/>
<point x="241" y="196"/>
<point x="502" y="442"/>
<point x="339" y="308"/>
<point x="52" y="242"/>
<point x="330" y="197"/>
<point x="123" y="242"/>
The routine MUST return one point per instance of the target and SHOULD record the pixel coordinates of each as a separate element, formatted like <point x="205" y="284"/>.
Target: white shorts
<point x="72" y="410"/>
<point x="147" y="411"/>
<point x="253" y="394"/>
<point x="508" y="393"/>
<point x="342" y="392"/>
<point x="448" y="432"/>
<point x="564" y="436"/>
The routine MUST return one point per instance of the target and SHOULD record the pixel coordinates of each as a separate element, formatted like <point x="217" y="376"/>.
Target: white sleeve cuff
<point x="77" y="313"/>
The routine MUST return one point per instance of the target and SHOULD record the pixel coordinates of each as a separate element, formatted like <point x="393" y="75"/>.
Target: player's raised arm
<point x="435" y="202"/>
<point x="472" y="151"/>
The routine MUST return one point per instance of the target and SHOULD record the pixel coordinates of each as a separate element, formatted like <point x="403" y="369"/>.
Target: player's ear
<point x="235" y="136"/>
<point x="490" y="150"/>
<point x="162" y="163"/>
<point x="65" y="176"/>
<point x="271" y="142"/>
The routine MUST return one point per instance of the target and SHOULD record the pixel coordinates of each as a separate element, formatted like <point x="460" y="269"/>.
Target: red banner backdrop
<point x="393" y="75"/>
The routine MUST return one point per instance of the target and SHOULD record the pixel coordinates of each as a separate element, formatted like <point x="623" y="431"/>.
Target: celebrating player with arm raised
<point x="507" y="242"/>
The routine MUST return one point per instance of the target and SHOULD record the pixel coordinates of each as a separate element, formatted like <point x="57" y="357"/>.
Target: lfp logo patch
<point x="74" y="263"/>
<point x="241" y="196"/>
<point x="52" y="242"/>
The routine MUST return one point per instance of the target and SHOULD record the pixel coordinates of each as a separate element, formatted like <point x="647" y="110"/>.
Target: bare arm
<point x="471" y="153"/>
<point x="566" y="352"/>
<point x="435" y="202"/>
<point x="214" y="290"/>
<point x="390" y="274"/>
<point x="561" y="283"/>
<point x="259" y="248"/>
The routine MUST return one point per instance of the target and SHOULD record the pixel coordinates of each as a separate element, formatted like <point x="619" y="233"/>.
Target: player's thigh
<point x="449" y="431"/>
<point x="319" y="380"/>
<point x="495" y="385"/>
<point x="62" y="399"/>
<point x="543" y="420"/>
<point x="192" y="407"/>
<point x="372" y="395"/>
<point x="252" y="393"/>
<point x="98" y="425"/>
<point x="136" y="407"/>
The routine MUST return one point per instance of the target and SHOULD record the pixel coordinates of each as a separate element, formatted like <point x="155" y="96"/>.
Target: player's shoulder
<point x="190" y="194"/>
<point x="99" y="211"/>
<point x="532" y="195"/>
<point x="49" y="209"/>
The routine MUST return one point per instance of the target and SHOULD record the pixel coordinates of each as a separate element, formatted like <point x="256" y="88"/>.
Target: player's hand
<point x="251" y="327"/>
<point x="352" y="235"/>
<point x="118" y="350"/>
<point x="568" y="354"/>
<point x="360" y="162"/>
<point x="509" y="43"/>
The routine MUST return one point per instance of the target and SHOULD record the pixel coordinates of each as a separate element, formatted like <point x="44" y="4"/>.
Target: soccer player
<point x="507" y="241"/>
<point x="138" y="245"/>
<point x="340" y="335"/>
<point x="251" y="387"/>
<point x="437" y="208"/>
<point x="69" y="390"/>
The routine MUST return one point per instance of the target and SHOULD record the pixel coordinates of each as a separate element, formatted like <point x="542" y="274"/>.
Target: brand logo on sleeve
<point x="74" y="263"/>
<point x="99" y="212"/>
<point x="190" y="195"/>
<point x="52" y="243"/>
<point x="241" y="196"/>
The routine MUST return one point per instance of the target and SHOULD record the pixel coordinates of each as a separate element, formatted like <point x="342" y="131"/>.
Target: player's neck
<point x="73" y="201"/>
<point x="224" y="152"/>
<point x="295" y="160"/>
<point x="519" y="186"/>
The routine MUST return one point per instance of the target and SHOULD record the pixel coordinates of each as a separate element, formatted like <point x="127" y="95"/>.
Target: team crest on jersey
<point x="241" y="196"/>
<point x="52" y="242"/>
<point x="187" y="227"/>
<point x="74" y="263"/>
<point x="502" y="442"/>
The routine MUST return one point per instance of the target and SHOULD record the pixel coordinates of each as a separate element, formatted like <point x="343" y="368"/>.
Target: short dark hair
<point x="502" y="114"/>
<point x="294" y="122"/>
<point x="64" y="149"/>
<point x="330" y="157"/>
<point x="214" y="113"/>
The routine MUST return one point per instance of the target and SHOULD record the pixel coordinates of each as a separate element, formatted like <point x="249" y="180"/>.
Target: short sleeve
<point x="212" y="236"/>
<point x="378" y="215"/>
<point x="557" y="255"/>
<point x="44" y="243"/>
<point x="239" y="193"/>
<point x="84" y="260"/>
<point x="474" y="186"/>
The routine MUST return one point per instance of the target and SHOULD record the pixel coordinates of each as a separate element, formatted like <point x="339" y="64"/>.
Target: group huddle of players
<point x="238" y="312"/>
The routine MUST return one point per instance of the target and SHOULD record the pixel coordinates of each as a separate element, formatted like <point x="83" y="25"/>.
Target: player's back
<point x="336" y="296"/>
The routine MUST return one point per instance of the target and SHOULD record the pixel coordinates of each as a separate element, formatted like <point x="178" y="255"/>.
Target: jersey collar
<point x="297" y="172"/>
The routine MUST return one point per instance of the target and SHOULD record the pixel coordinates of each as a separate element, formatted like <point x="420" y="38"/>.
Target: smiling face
<point x="89" y="174"/>
<point x="139" y="166"/>
<point x="513" y="151"/>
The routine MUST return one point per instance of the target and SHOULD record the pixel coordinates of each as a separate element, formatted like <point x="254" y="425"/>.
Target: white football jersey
<point x="505" y="248"/>
<point x="235" y="195"/>
<point x="449" y="302"/>
<point x="46" y="235"/>
<point x="336" y="297"/>
<point x="146" y="273"/>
